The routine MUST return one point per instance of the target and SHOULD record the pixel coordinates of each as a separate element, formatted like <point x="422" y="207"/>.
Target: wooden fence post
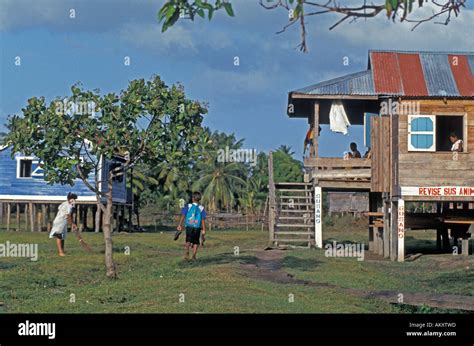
<point x="272" y="200"/>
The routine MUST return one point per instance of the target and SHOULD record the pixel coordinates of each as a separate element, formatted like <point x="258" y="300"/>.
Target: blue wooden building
<point x="23" y="190"/>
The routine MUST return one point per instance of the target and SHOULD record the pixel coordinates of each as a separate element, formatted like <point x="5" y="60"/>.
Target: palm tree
<point x="220" y="183"/>
<point x="286" y="149"/>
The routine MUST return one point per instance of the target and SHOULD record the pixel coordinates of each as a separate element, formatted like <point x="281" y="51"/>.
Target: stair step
<point x="297" y="197"/>
<point x="296" y="233"/>
<point x="287" y="203"/>
<point x="294" y="184"/>
<point x="293" y="190"/>
<point x="294" y="211"/>
<point x="306" y="225"/>
<point x="295" y="218"/>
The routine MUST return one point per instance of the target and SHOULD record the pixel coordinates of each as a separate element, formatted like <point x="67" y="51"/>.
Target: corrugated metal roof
<point x="438" y="76"/>
<point x="386" y="73"/>
<point x="412" y="76"/>
<point x="461" y="69"/>
<point x="402" y="73"/>
<point x="359" y="83"/>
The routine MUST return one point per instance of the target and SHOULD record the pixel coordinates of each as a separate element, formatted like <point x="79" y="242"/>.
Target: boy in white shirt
<point x="63" y="218"/>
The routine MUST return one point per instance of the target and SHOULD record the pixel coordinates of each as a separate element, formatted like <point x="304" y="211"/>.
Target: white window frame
<point x="33" y="160"/>
<point x="433" y="133"/>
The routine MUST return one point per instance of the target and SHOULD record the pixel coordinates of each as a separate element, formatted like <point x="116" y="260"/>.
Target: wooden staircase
<point x="293" y="214"/>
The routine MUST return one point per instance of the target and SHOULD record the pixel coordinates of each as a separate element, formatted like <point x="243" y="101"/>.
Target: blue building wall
<point x="15" y="188"/>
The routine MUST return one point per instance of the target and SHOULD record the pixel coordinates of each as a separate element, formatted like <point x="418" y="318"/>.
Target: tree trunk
<point x="111" y="269"/>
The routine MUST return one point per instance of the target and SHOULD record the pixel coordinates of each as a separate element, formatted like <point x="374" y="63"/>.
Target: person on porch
<point x="308" y="141"/>
<point x="457" y="143"/>
<point x="354" y="153"/>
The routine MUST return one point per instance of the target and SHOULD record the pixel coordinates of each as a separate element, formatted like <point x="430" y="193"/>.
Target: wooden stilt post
<point x="393" y="231"/>
<point x="18" y="217"/>
<point x="39" y="217"/>
<point x="26" y="216"/>
<point x="372" y="237"/>
<point x="380" y="241"/>
<point x="44" y="222"/>
<point x="86" y="216"/>
<point x="79" y="217"/>
<point x="32" y="216"/>
<point x="465" y="246"/>
<point x="386" y="227"/>
<point x="48" y="218"/>
<point x="9" y="210"/>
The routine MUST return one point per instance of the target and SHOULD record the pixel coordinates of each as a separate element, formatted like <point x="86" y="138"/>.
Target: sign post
<point x="401" y="230"/>
<point x="318" y="207"/>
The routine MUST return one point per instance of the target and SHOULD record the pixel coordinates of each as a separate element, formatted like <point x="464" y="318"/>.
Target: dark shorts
<point x="193" y="235"/>
<point x="58" y="236"/>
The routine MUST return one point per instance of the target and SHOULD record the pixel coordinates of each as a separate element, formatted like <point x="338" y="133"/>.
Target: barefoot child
<point x="63" y="218"/>
<point x="193" y="215"/>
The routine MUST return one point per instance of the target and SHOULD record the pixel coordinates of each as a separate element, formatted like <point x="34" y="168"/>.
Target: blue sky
<point x="249" y="100"/>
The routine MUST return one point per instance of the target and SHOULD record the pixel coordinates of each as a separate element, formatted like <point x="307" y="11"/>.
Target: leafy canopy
<point x="146" y="122"/>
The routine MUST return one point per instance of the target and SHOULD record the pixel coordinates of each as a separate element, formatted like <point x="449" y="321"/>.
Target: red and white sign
<point x="438" y="191"/>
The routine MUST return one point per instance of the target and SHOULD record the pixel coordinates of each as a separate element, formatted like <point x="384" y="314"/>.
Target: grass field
<point x="153" y="277"/>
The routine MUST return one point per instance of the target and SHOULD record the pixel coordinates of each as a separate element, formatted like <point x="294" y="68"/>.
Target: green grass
<point x="153" y="276"/>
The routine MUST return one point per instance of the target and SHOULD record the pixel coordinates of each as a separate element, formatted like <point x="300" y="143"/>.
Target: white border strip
<point x="401" y="230"/>
<point x="438" y="191"/>
<point x="318" y="210"/>
<point x="45" y="198"/>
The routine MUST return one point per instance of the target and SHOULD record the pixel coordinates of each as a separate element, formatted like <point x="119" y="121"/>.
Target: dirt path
<point x="269" y="268"/>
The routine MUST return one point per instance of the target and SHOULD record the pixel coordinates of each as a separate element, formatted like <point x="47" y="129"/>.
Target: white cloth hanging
<point x="338" y="121"/>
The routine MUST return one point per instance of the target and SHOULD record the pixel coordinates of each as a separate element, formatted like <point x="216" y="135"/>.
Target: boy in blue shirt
<point x="193" y="215"/>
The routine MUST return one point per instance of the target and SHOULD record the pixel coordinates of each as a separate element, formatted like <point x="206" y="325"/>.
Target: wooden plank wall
<point x="381" y="163"/>
<point x="435" y="169"/>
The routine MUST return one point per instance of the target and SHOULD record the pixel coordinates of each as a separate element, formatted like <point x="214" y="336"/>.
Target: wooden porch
<point x="340" y="174"/>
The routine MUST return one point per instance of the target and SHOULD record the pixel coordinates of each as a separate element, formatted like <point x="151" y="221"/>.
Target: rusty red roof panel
<point x="405" y="73"/>
<point x="386" y="73"/>
<point x="411" y="73"/>
<point x="463" y="75"/>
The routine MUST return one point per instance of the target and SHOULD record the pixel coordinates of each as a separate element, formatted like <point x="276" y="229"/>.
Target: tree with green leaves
<point x="147" y="122"/>
<point x="298" y="11"/>
<point x="286" y="168"/>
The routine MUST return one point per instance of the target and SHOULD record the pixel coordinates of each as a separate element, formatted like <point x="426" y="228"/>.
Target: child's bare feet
<point x="194" y="258"/>
<point x="62" y="254"/>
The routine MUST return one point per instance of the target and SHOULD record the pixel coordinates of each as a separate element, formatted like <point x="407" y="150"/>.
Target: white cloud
<point x="382" y="33"/>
